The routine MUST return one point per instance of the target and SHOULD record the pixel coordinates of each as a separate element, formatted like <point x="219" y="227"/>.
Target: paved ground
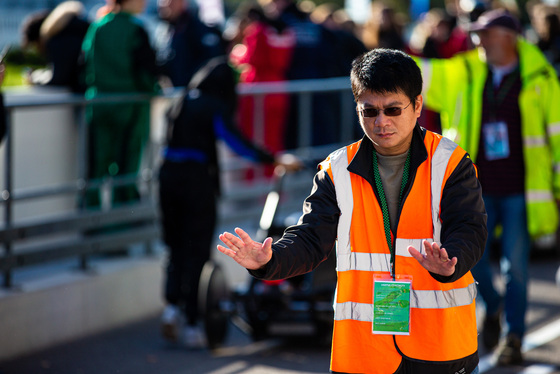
<point x="138" y="348"/>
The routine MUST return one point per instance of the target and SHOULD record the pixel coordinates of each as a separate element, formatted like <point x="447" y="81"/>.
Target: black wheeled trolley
<point x="298" y="306"/>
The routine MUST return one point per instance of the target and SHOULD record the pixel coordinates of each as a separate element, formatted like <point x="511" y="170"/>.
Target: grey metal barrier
<point x="41" y="238"/>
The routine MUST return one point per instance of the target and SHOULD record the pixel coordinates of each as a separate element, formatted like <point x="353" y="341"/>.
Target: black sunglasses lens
<point x="370" y="112"/>
<point x="392" y="112"/>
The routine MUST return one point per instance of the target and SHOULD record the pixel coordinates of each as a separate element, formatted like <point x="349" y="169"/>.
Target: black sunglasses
<point x="390" y="112"/>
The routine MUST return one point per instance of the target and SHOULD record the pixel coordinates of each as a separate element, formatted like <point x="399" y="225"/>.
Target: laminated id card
<point x="496" y="140"/>
<point x="391" y="305"/>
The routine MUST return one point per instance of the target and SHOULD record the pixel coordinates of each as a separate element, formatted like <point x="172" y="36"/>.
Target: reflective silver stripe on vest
<point x="440" y="160"/>
<point x="418" y="299"/>
<point x="363" y="261"/>
<point x="345" y="200"/>
<point x="355" y="311"/>
<point x="401" y="246"/>
<point x="534" y="141"/>
<point x="535" y="196"/>
<point x="554" y="128"/>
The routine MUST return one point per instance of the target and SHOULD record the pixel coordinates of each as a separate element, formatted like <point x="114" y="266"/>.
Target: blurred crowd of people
<point x="277" y="40"/>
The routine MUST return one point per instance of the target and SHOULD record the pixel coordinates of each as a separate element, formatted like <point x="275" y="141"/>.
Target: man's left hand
<point x="436" y="259"/>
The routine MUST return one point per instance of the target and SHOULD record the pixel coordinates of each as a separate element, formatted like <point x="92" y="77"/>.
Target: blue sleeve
<point x="238" y="143"/>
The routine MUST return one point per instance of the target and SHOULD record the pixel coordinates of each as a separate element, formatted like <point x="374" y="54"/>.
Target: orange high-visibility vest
<point x="442" y="316"/>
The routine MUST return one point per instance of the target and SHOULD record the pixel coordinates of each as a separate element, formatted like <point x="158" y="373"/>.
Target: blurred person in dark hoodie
<point x="183" y="42"/>
<point x="189" y="187"/>
<point x="58" y="37"/>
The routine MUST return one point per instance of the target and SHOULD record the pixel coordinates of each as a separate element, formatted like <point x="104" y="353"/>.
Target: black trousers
<point x="188" y="216"/>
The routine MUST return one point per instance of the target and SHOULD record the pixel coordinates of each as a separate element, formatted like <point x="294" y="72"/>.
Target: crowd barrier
<point x="43" y="173"/>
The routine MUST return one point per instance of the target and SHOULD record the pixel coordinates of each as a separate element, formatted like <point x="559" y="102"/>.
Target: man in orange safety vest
<point x="405" y="209"/>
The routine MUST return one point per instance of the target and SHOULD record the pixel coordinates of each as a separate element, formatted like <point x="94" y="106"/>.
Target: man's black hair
<point x="385" y="71"/>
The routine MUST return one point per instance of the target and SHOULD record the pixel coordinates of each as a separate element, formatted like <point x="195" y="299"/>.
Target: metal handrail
<point x="8" y="196"/>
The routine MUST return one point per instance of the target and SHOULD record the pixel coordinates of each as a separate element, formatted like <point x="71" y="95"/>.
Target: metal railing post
<point x="305" y="123"/>
<point x="7" y="193"/>
<point x="147" y="176"/>
<point x="259" y="129"/>
<point x="346" y="117"/>
<point x="83" y="149"/>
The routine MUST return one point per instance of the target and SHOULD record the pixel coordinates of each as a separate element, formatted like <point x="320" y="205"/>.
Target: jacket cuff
<point x="443" y="278"/>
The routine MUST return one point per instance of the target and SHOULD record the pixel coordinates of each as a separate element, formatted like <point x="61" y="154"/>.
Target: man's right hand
<point x="245" y="251"/>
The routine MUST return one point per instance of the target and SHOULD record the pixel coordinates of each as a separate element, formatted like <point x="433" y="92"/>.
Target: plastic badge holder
<point x="391" y="305"/>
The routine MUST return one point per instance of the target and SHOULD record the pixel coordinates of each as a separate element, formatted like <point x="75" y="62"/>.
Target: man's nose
<point x="381" y="119"/>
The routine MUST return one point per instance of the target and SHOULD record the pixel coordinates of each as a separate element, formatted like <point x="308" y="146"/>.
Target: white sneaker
<point x="194" y="337"/>
<point x="171" y="322"/>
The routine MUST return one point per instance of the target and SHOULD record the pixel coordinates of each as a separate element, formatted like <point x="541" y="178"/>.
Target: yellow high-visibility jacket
<point x="454" y="87"/>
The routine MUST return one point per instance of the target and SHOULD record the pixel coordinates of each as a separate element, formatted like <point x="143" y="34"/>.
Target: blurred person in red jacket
<point x="264" y="55"/>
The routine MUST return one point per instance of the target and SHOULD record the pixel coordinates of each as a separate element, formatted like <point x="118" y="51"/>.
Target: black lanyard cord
<point x="496" y="99"/>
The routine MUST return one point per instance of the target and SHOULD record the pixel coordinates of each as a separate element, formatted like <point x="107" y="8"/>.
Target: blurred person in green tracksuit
<point x="118" y="59"/>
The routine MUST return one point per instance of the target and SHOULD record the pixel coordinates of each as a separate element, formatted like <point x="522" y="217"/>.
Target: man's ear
<point x="418" y="103"/>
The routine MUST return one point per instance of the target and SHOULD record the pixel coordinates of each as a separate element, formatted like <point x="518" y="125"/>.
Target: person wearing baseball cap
<point x="496" y="18"/>
<point x="499" y="102"/>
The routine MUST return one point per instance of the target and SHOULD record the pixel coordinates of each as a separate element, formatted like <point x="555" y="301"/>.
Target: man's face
<point x="391" y="135"/>
<point x="497" y="44"/>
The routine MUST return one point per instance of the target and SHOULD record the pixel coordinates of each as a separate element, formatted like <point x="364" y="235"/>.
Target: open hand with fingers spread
<point x="245" y="251"/>
<point x="436" y="259"/>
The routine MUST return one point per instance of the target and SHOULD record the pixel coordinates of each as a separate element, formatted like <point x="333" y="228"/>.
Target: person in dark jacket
<point x="58" y="36"/>
<point x="403" y="204"/>
<point x="189" y="187"/>
<point x="183" y="42"/>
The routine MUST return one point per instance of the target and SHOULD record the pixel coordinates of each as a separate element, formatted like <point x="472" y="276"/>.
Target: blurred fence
<point x="43" y="173"/>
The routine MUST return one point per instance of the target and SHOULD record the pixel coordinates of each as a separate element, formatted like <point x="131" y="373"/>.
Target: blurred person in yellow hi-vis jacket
<point x="500" y="103"/>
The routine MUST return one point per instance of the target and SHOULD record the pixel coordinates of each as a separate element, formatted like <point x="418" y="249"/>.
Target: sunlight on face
<point x="391" y="135"/>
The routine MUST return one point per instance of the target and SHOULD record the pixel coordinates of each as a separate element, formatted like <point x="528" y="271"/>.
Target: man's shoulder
<point x="339" y="152"/>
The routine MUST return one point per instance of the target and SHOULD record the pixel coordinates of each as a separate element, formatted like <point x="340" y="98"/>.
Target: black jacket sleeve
<point x="463" y="217"/>
<point x="305" y="245"/>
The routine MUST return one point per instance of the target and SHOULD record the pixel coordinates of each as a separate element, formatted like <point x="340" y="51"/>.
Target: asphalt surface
<point x="138" y="348"/>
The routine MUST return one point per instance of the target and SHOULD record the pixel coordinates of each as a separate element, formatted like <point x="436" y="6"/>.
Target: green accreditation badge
<point x="391" y="305"/>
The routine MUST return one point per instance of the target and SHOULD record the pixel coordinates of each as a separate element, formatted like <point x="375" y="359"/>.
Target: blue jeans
<point x="475" y="371"/>
<point x="514" y="264"/>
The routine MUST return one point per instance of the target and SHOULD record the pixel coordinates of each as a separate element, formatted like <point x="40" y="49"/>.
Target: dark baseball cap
<point x="496" y="18"/>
